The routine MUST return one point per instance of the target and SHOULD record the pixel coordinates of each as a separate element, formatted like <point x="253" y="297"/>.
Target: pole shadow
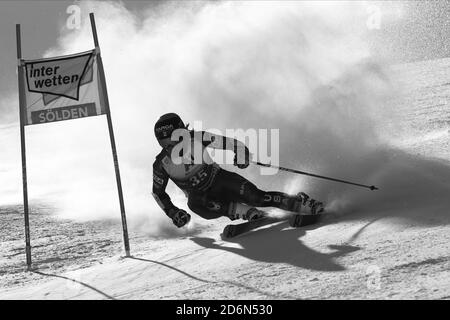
<point x="358" y="233"/>
<point x="232" y="283"/>
<point x="76" y="281"/>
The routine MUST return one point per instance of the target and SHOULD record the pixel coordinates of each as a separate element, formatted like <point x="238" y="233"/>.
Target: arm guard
<point x="160" y="180"/>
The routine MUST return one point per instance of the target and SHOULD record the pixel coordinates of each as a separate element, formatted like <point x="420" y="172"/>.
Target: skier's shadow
<point x="275" y="245"/>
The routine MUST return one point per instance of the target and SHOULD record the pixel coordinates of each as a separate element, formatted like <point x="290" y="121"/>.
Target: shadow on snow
<point x="280" y="245"/>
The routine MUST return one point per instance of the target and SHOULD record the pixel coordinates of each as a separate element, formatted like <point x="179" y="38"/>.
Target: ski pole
<point x="313" y="175"/>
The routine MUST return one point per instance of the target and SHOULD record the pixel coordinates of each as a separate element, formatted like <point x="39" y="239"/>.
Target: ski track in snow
<point x="406" y="256"/>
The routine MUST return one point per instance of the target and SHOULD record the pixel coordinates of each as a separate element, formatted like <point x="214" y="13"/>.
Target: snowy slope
<point x="395" y="243"/>
<point x="333" y="261"/>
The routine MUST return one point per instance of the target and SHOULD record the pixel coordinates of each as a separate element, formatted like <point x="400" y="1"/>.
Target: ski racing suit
<point x="212" y="191"/>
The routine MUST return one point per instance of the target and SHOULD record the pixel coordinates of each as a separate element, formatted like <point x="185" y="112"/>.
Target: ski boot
<point x="315" y="206"/>
<point x="242" y="211"/>
<point x="254" y="214"/>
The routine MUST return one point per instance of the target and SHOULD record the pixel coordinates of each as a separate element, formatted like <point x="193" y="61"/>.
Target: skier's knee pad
<point x="207" y="207"/>
<point x="210" y="211"/>
<point x="252" y="194"/>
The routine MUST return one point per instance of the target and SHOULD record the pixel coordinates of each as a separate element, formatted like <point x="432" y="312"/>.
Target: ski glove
<point x="242" y="163"/>
<point x="180" y="218"/>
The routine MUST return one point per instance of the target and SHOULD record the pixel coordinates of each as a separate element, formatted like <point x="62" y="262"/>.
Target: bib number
<point x="198" y="178"/>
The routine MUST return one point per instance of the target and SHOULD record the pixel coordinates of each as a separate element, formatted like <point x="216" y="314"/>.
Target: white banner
<point x="63" y="88"/>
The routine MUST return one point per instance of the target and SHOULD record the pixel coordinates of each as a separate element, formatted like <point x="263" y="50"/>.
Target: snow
<point x="398" y="250"/>
<point x="389" y="244"/>
<point x="328" y="261"/>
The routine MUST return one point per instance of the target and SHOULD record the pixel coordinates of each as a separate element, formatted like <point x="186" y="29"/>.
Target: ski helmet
<point x="167" y="124"/>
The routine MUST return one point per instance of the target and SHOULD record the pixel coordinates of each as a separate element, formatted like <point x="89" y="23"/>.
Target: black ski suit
<point x="212" y="191"/>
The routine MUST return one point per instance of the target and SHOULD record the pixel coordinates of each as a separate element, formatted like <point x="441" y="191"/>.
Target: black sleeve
<point x="217" y="141"/>
<point x="160" y="180"/>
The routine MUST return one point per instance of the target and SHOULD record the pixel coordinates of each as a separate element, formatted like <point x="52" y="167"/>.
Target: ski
<point x="302" y="220"/>
<point x="295" y="221"/>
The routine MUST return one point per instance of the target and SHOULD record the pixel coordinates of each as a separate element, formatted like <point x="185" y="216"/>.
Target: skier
<point x="212" y="191"/>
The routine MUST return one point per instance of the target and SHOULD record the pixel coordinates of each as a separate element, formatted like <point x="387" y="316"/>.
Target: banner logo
<point x="63" y="88"/>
